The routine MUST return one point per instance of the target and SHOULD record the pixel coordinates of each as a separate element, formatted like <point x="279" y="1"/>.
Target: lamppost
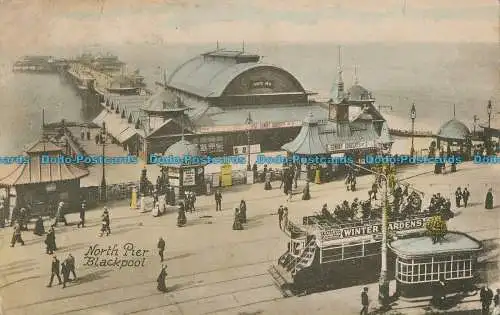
<point x="413" y="115"/>
<point x="103" y="179"/>
<point x="475" y="123"/>
<point x="489" y="109"/>
<point x="249" y="123"/>
<point x="383" y="285"/>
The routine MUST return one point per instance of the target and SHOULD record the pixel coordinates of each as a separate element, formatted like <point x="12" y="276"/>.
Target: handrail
<point x="299" y="258"/>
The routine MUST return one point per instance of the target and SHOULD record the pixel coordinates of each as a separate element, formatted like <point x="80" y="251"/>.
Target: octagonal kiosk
<point x="420" y="264"/>
<point x="184" y="173"/>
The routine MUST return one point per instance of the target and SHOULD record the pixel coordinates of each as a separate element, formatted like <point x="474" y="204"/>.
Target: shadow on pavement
<point x="93" y="276"/>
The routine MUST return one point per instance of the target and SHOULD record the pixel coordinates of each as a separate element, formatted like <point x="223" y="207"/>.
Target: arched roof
<point x="209" y="78"/>
<point x="453" y="129"/>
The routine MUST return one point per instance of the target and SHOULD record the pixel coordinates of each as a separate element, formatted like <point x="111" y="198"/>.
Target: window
<point x="421" y="271"/>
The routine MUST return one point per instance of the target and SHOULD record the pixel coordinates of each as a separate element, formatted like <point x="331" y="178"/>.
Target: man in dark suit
<point x="486" y="296"/>
<point x="218" y="201"/>
<point x="161" y="248"/>
<point x="55" y="271"/>
<point x="364" y="302"/>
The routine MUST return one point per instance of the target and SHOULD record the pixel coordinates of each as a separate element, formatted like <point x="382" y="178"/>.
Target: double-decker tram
<point x="325" y="253"/>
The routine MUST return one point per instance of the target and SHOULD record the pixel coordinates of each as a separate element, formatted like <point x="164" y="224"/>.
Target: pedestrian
<point x="16" y="235"/>
<point x="181" y="215"/>
<point x="70" y="263"/>
<point x="458" y="197"/>
<point x="267" y="178"/>
<point x="96" y="139"/>
<point x="83" y="208"/>
<point x="54" y="271"/>
<point x="364" y="302"/>
<point x="60" y="214"/>
<point x="496" y="298"/>
<point x="237" y="226"/>
<point x="65" y="273"/>
<point x="486" y="296"/>
<point x="162" y="287"/>
<point x="50" y="241"/>
<point x="105" y="228"/>
<point x="82" y="134"/>
<point x="488" y="203"/>
<point x="285" y="218"/>
<point x="306" y="195"/>
<point x="2" y="214"/>
<point x="465" y="196"/>
<point x="243" y="211"/>
<point x="39" y="228"/>
<point x="23" y="219"/>
<point x="161" y="248"/>
<point x="280" y="216"/>
<point x="218" y="201"/>
<point x="88" y="134"/>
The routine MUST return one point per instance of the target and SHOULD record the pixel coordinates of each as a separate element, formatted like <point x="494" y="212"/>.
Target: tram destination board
<point x="372" y="229"/>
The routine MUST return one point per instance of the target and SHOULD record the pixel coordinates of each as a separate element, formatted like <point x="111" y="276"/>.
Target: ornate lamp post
<point x="489" y="109"/>
<point x="249" y="123"/>
<point x="413" y="115"/>
<point x="103" y="179"/>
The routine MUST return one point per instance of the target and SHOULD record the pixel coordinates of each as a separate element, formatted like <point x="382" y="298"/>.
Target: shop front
<point x="420" y="265"/>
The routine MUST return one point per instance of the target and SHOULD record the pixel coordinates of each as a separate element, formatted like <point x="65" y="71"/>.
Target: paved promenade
<point x="211" y="268"/>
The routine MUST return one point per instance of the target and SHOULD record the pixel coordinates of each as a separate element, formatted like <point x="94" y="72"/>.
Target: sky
<point x="36" y="24"/>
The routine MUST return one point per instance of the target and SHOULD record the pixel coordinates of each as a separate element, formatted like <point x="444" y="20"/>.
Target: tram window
<point x="372" y="248"/>
<point x="468" y="270"/>
<point x="353" y="251"/>
<point x="448" y="270"/>
<point x="421" y="272"/>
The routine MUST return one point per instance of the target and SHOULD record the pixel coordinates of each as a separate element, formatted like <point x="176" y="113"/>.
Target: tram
<point x="325" y="254"/>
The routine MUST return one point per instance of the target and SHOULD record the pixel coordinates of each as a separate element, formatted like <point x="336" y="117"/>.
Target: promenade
<point x="213" y="269"/>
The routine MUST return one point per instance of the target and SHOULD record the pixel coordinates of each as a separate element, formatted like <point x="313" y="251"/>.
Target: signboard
<point x="215" y="180"/>
<point x="261" y="84"/>
<point x="189" y="177"/>
<point x="351" y="145"/>
<point x="250" y="177"/>
<point x="174" y="172"/>
<point x="242" y="149"/>
<point x="174" y="182"/>
<point x="226" y="173"/>
<point x="254" y="126"/>
<point x="370" y="229"/>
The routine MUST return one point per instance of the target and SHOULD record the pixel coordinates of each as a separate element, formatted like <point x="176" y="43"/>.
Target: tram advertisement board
<point x="369" y="229"/>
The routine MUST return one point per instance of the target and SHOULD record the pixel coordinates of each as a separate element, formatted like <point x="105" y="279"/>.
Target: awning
<point x="100" y="118"/>
<point x="126" y="135"/>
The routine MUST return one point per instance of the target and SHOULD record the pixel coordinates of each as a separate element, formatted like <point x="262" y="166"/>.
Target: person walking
<point x="218" y="201"/>
<point x="54" y="271"/>
<point x="65" y="273"/>
<point x="16" y="235"/>
<point x="161" y="248"/>
<point x="243" y="211"/>
<point x="364" y="302"/>
<point x="488" y="203"/>
<point x="105" y="222"/>
<point x="285" y="218"/>
<point x="50" y="241"/>
<point x="39" y="228"/>
<point x="70" y="264"/>
<point x="83" y="208"/>
<point x="60" y="214"/>
<point x="486" y="296"/>
<point x="280" y="216"/>
<point x="465" y="196"/>
<point x="162" y="287"/>
<point x="458" y="197"/>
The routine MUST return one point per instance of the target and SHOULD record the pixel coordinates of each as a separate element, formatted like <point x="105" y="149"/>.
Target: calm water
<point x="433" y="76"/>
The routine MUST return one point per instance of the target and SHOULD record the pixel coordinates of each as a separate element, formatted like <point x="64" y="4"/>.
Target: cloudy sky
<point x="44" y="23"/>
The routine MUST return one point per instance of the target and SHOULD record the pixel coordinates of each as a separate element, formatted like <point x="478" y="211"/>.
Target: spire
<point x="243" y="46"/>
<point x="165" y="78"/>
<point x="356" y="78"/>
<point x="340" y="81"/>
<point x="217" y="45"/>
<point x="454" y="112"/>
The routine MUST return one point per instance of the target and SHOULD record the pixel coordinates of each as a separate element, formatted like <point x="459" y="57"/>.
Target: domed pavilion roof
<point x="164" y="101"/>
<point x="182" y="148"/>
<point x="453" y="129"/>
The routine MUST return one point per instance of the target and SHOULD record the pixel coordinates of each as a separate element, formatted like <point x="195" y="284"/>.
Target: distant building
<point x="221" y="99"/>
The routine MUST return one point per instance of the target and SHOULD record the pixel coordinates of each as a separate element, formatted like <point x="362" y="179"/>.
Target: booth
<point x="187" y="174"/>
<point x="420" y="264"/>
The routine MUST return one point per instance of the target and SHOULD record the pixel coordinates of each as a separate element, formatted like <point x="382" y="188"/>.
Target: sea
<point x="443" y="80"/>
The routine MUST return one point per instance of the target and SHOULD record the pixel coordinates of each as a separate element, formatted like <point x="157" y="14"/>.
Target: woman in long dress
<point x="306" y="195"/>
<point x="39" y="228"/>
<point x="243" y="211"/>
<point x="161" y="279"/>
<point x="488" y="203"/>
<point x="181" y="216"/>
<point x="237" y="226"/>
